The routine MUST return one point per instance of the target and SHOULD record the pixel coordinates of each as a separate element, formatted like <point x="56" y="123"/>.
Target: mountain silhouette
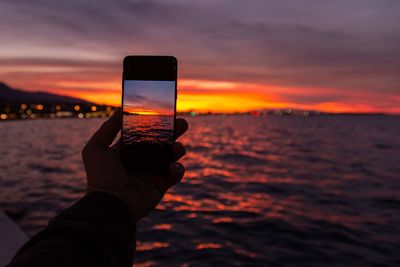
<point x="10" y="95"/>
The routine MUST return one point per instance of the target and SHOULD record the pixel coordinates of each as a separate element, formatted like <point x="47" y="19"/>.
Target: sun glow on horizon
<point x="141" y="112"/>
<point x="210" y="96"/>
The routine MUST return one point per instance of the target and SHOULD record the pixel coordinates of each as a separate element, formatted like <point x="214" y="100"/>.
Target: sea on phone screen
<point x="155" y="129"/>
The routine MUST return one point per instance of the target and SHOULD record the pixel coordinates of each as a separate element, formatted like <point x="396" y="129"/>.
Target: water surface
<point x="285" y="191"/>
<point x="154" y="129"/>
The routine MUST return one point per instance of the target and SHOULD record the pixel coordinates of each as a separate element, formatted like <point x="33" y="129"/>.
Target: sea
<point x="154" y="129"/>
<point x="258" y="191"/>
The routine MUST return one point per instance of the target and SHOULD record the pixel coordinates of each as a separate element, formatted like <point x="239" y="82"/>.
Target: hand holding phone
<point x="105" y="172"/>
<point x="139" y="173"/>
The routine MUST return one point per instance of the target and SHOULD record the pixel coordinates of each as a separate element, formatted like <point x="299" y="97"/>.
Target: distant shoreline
<point x="220" y="115"/>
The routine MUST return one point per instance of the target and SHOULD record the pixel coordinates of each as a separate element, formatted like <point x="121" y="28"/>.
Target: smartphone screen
<point x="149" y="105"/>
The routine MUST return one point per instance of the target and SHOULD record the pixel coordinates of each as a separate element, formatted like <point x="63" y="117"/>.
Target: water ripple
<point x="287" y="191"/>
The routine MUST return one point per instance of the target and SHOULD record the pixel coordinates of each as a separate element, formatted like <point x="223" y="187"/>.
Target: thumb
<point x="106" y="134"/>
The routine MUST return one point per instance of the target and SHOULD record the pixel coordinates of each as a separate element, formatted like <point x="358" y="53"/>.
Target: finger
<point x="179" y="150"/>
<point x="181" y="126"/>
<point x="105" y="135"/>
<point x="176" y="171"/>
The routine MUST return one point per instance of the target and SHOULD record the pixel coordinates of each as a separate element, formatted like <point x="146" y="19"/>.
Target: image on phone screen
<point x="148" y="124"/>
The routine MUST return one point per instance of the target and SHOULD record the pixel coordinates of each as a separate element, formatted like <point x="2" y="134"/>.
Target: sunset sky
<point x="340" y="56"/>
<point x="149" y="97"/>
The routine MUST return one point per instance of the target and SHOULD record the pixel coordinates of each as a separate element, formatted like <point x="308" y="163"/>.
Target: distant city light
<point x="62" y="114"/>
<point x="36" y="111"/>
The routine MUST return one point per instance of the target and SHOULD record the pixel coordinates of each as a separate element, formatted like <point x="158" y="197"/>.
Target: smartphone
<point x="149" y="113"/>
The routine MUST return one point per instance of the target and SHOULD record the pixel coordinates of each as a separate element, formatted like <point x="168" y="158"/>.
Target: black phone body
<point x="149" y="113"/>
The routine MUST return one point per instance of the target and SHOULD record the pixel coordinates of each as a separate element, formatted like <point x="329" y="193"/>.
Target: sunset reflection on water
<point x="258" y="190"/>
<point x="154" y="129"/>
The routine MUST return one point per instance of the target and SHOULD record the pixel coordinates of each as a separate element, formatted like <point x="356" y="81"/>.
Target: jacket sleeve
<point x="98" y="230"/>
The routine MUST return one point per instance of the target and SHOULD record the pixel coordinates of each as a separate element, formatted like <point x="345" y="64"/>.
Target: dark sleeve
<point x="98" y="230"/>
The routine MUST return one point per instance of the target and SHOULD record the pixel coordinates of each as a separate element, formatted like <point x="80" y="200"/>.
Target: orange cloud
<point x="148" y="111"/>
<point x="141" y="111"/>
<point x="226" y="96"/>
<point x="226" y="100"/>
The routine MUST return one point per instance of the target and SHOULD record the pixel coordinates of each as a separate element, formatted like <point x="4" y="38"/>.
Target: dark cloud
<point x="60" y="62"/>
<point x="139" y="101"/>
<point x="135" y="98"/>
